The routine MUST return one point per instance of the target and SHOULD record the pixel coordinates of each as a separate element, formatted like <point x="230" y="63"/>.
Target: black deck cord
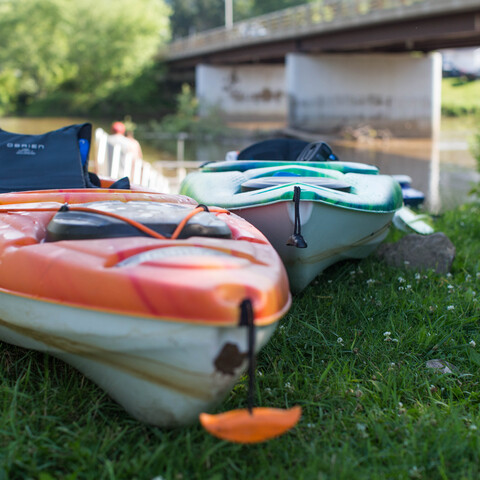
<point x="205" y="208"/>
<point x="296" y="240"/>
<point x="246" y="319"/>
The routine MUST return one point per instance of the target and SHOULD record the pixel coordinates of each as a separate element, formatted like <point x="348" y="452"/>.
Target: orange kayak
<point x="151" y="315"/>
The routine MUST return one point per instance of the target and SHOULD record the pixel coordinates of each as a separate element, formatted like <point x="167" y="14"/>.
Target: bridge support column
<point x="398" y="92"/>
<point x="242" y="92"/>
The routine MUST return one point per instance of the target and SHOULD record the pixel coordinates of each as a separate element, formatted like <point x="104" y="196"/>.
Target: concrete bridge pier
<point x="242" y="92"/>
<point x="398" y="92"/>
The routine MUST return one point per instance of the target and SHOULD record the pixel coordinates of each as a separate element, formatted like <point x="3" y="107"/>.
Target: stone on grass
<point x="441" y="365"/>
<point x="420" y="252"/>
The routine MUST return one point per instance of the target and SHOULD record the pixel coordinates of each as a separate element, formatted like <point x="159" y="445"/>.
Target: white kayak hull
<point x="332" y="234"/>
<point x="162" y="372"/>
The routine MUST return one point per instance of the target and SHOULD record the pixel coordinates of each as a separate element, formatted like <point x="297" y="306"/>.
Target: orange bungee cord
<point x="143" y="228"/>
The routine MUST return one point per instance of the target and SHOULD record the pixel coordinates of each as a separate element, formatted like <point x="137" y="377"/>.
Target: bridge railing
<point x="285" y="23"/>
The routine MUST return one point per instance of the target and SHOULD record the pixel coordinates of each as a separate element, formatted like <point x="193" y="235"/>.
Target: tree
<point x="86" y="48"/>
<point x="193" y="16"/>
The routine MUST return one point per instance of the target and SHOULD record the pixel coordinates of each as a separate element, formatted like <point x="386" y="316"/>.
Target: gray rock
<point x="441" y="365"/>
<point x="420" y="252"/>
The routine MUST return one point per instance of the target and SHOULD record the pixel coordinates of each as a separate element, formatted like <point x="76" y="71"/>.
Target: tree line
<point x="99" y="57"/>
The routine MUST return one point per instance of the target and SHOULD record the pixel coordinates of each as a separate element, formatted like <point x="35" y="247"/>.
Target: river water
<point x="444" y="170"/>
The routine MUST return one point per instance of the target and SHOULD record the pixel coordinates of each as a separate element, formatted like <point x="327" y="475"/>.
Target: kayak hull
<point x="161" y="372"/>
<point x="331" y="234"/>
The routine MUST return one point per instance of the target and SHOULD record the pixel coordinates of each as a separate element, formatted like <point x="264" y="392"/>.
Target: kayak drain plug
<point x="296" y="240"/>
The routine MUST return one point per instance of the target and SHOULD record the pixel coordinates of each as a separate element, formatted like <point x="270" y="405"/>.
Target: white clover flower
<point x="370" y="280"/>
<point x="408" y="287"/>
<point x="352" y="272"/>
<point x="450" y="287"/>
<point x="259" y="373"/>
<point x="401" y="288"/>
<point x="394" y="339"/>
<point x="387" y="334"/>
<point x="451" y="307"/>
<point x="339" y="340"/>
<point x="401" y="279"/>
<point x="468" y="277"/>
<point x="289" y="386"/>
<point x="449" y="275"/>
<point x="418" y="276"/>
<point x="472" y="343"/>
<point x="414" y="472"/>
<point x="361" y="426"/>
<point x="473" y="427"/>
<point x="310" y="425"/>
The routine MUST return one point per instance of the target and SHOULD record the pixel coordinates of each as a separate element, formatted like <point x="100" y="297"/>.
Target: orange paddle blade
<point x="241" y="426"/>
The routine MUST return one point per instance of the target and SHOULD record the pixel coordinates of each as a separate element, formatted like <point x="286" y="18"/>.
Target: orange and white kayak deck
<point x="154" y="322"/>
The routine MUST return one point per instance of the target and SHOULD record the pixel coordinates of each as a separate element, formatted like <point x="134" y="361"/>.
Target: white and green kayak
<point x="313" y="213"/>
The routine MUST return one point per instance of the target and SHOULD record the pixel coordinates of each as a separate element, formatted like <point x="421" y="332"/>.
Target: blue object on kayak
<point x="285" y="174"/>
<point x="84" y="146"/>
<point x="412" y="197"/>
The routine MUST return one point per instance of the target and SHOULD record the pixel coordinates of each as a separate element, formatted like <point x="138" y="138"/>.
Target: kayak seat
<point x="278" y="180"/>
<point x="288" y="149"/>
<point x="163" y="218"/>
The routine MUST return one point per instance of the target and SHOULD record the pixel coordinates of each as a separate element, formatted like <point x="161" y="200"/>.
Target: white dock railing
<point x="163" y="176"/>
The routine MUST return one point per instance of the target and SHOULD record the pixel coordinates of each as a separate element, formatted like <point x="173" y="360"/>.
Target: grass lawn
<point x="460" y="97"/>
<point x="352" y="352"/>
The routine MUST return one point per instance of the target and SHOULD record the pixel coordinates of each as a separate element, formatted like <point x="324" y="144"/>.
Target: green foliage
<point x="475" y="149"/>
<point x="186" y="120"/>
<point x="460" y="96"/>
<point x="193" y="16"/>
<point x="76" y="52"/>
<point x="190" y="16"/>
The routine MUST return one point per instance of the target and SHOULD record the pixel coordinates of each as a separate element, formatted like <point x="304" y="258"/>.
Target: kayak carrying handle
<point x="250" y="425"/>
<point x="296" y="240"/>
<point x="246" y="319"/>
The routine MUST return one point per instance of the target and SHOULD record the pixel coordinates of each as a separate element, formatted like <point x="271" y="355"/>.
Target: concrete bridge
<point x="332" y="64"/>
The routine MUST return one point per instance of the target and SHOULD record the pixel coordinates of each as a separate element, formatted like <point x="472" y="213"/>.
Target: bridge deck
<point x="336" y="26"/>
